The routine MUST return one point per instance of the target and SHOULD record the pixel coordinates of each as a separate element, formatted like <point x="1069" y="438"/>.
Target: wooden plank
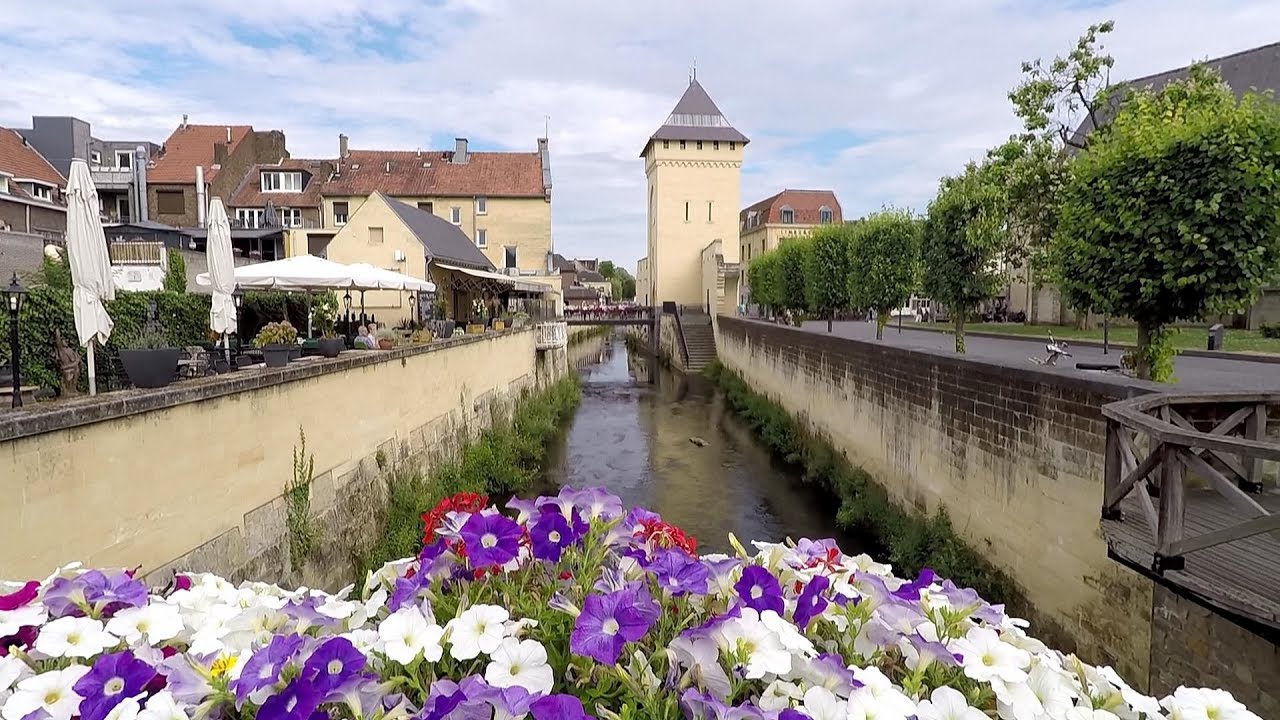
<point x="1255" y="429"/>
<point x="1148" y="464"/>
<point x="1172" y="510"/>
<point x="1111" y="466"/>
<point x="1128" y="453"/>
<point x="1171" y="434"/>
<point x="1232" y="464"/>
<point x="1227" y="489"/>
<point x="1249" y="528"/>
<point x="1233" y="420"/>
<point x="1149" y="510"/>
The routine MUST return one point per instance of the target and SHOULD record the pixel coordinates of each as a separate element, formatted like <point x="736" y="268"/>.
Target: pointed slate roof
<point x="443" y="240"/>
<point x="696" y="117"/>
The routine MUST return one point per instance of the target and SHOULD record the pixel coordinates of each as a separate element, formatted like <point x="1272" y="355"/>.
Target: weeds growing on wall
<point x="505" y="459"/>
<point x="594" y="331"/>
<point x="911" y="540"/>
<point x="303" y="534"/>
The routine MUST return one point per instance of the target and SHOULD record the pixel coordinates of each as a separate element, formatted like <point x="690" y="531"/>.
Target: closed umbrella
<point x="222" y="273"/>
<point x="90" y="265"/>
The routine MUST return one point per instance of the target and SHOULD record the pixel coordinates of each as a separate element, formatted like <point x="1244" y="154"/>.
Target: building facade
<point x="644" y="292"/>
<point x="763" y="225"/>
<point x="32" y="202"/>
<point x="693" y="165"/>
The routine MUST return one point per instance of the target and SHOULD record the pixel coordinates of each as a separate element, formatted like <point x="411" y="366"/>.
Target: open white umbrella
<point x="222" y="272"/>
<point x="383" y="279"/>
<point x="90" y="265"/>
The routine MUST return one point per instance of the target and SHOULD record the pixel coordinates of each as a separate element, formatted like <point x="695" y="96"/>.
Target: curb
<point x="1214" y="354"/>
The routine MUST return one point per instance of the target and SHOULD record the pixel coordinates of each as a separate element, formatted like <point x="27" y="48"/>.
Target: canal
<point x="674" y="448"/>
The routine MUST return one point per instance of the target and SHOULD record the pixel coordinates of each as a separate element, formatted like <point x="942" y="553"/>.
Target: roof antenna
<point x="693" y="72"/>
<point x="546" y="126"/>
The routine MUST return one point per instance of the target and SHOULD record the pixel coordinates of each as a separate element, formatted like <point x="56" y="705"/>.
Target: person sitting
<point x="364" y="339"/>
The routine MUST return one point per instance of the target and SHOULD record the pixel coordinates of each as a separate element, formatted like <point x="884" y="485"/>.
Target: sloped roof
<point x="443" y="240"/>
<point x="696" y="117"/>
<point x="430" y="173"/>
<point x="559" y="262"/>
<point x="20" y="160"/>
<point x="1254" y="69"/>
<point x="192" y="145"/>
<point x="806" y="204"/>
<point x="581" y="292"/>
<point x="314" y="173"/>
<point x="587" y="276"/>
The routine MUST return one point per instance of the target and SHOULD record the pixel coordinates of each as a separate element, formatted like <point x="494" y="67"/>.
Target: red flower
<point x="460" y="502"/>
<point x="566" y="575"/>
<point x="665" y="535"/>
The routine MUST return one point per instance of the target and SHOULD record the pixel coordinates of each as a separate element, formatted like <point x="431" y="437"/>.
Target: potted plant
<point x="520" y="319"/>
<point x="443" y="326"/>
<point x="277" y="341"/>
<point x="386" y="338"/>
<point x="420" y="337"/>
<point x="479" y="317"/>
<point x="330" y="345"/>
<point x="149" y="360"/>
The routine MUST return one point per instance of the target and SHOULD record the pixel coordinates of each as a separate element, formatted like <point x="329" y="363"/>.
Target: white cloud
<point x="924" y="82"/>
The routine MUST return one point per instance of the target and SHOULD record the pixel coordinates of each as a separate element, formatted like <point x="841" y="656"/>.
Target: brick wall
<point x="260" y="147"/>
<point x="188" y="218"/>
<point x="1013" y="454"/>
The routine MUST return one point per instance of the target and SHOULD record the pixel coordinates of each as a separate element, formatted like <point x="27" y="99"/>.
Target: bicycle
<point x="1055" y="350"/>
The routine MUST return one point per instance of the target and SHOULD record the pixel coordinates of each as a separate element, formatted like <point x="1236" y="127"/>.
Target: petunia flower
<point x="780" y="694"/>
<point x="947" y="704"/>
<point x="114" y="678"/>
<point x="50" y="692"/>
<point x="263" y="668"/>
<point x="295" y="702"/>
<point x="760" y="590"/>
<point x="407" y="634"/>
<point x="332" y="663"/>
<point x="878" y="697"/>
<point x="701" y="706"/>
<point x="520" y="662"/>
<point x="607" y="622"/>
<point x="821" y="704"/>
<point x="986" y="657"/>
<point x="558" y="707"/>
<point x="153" y="623"/>
<point x="478" y="629"/>
<point x="596" y="503"/>
<point x="162" y="706"/>
<point x="20" y="597"/>
<point x="677" y="573"/>
<point x="77" y="637"/>
<point x="13" y="621"/>
<point x="1188" y="702"/>
<point x="551" y="534"/>
<point x="829" y="670"/>
<point x="811" y="603"/>
<point x="490" y="539"/>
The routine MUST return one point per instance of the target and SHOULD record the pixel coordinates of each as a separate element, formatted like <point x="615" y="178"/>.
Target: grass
<point x="505" y="459"/>
<point x="303" y="533"/>
<point x="1189" y="338"/>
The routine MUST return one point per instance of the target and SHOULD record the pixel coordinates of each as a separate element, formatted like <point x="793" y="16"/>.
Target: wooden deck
<point x="1242" y="577"/>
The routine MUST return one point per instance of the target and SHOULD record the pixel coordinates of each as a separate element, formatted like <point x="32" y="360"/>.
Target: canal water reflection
<point x="634" y="438"/>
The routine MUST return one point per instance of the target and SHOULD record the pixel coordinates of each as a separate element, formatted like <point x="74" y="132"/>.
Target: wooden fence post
<point x="1113" y="470"/>
<point x="1255" y="428"/>
<point x="1172" y="512"/>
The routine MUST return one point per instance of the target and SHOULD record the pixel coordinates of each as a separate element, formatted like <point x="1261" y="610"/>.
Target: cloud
<point x="873" y="98"/>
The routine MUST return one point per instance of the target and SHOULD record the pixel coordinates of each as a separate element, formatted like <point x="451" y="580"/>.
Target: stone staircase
<point x="699" y="340"/>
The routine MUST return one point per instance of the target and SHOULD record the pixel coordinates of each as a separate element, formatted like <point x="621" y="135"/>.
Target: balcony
<point x="111" y="178"/>
<point x="552" y="335"/>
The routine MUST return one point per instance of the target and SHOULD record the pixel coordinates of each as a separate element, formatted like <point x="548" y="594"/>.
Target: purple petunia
<point x="491" y="539"/>
<point x="334" y="662"/>
<point x="911" y="591"/>
<point x="607" y="622"/>
<point x="677" y="573"/>
<point x="597" y="502"/>
<point x="92" y="592"/>
<point x="760" y="590"/>
<point x="297" y="701"/>
<point x="792" y="714"/>
<point x="829" y="670"/>
<point x="558" y="707"/>
<point x="811" y="603"/>
<point x="551" y="534"/>
<point x="113" y="678"/>
<point x="264" y="666"/>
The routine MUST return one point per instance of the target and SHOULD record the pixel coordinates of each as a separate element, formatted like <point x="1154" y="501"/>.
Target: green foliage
<point x="506" y="458"/>
<point x="55" y="273"/>
<point x="1174" y="214"/>
<point x="607" y="269"/>
<point x="1054" y="100"/>
<point x="266" y="306"/>
<point x="793" y="261"/>
<point x="964" y="240"/>
<point x="1034" y="170"/>
<point x="765" y="280"/>
<point x="304" y="536"/>
<point x="827" y="270"/>
<point x="281" y="333"/>
<point x="149" y="339"/>
<point x="884" y="262"/>
<point x="175" y="275"/>
<point x="1270" y="330"/>
<point x="909" y="540"/>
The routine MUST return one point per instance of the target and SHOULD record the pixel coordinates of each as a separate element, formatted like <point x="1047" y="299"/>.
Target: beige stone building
<point x="692" y="164"/>
<point x="643" y="287"/>
<point x="763" y="225"/>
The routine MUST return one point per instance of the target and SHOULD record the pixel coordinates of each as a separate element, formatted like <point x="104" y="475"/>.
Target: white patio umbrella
<point x="300" y="272"/>
<point x="389" y="279"/>
<point x="222" y="273"/>
<point x="90" y="264"/>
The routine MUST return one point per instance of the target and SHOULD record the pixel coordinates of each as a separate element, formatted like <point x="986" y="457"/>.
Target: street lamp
<point x="14" y="294"/>
<point x="237" y="298"/>
<point x="413" y="306"/>
<point x="346" y="304"/>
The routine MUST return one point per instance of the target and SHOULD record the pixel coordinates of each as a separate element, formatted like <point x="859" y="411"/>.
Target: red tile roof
<point x="430" y="173"/>
<point x="315" y="173"/>
<point x="22" y="161"/>
<point x="189" y="146"/>
<point x="806" y="205"/>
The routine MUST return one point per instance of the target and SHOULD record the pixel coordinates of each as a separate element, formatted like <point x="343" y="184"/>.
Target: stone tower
<point x="692" y="164"/>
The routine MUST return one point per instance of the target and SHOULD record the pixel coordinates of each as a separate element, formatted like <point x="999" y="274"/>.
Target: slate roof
<point x="587" y="276"/>
<point x="1255" y="69"/>
<point x="430" y="173"/>
<point x="443" y="240"/>
<point x="189" y="146"/>
<point x="559" y="263"/>
<point x="314" y="174"/>
<point x="581" y="292"/>
<point x="696" y="117"/>
<point x="20" y="160"/>
<point x="806" y="204"/>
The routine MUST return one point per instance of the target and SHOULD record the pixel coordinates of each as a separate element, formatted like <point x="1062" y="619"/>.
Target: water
<point x="634" y="438"/>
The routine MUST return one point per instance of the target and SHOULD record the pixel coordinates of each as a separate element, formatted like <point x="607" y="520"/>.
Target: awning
<point x="515" y="283"/>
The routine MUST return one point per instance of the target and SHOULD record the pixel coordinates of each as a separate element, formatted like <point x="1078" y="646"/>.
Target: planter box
<point x="330" y="347"/>
<point x="385" y="344"/>
<point x="499" y="325"/>
<point x="277" y="356"/>
<point x="150" y="368"/>
<point x="475" y="329"/>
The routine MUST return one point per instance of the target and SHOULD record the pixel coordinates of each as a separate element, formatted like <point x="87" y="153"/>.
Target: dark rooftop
<point x="443" y="240"/>
<point x="696" y="117"/>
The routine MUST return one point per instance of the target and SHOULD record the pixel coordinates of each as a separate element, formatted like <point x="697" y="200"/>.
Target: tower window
<point x="699" y="144"/>
<point x="788" y="215"/>
<point x="686" y="212"/>
<point x="825" y="215"/>
<point x="666" y="144"/>
<point x="733" y="145"/>
<point x="682" y="145"/>
<point x="715" y="144"/>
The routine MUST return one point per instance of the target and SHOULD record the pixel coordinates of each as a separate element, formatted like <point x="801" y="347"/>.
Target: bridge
<point x="645" y="316"/>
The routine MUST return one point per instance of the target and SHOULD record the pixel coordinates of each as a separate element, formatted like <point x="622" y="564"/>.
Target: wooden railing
<point x="551" y="335"/>
<point x="1158" y="445"/>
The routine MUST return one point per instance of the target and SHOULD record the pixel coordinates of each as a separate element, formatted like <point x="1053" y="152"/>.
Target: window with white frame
<point x="509" y="256"/>
<point x="482" y="238"/>
<point x="275" y="181"/>
<point x="825" y="215"/>
<point x="124" y="159"/>
<point x="249" y="217"/>
<point x="788" y="215"/>
<point x="455" y="215"/>
<point x="482" y="205"/>
<point x="290" y="217"/>
<point x="95" y="158"/>
<point x="40" y="192"/>
<point x="4" y="184"/>
<point x="340" y="213"/>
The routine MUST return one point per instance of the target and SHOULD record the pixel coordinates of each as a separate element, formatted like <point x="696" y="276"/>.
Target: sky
<point x="875" y="99"/>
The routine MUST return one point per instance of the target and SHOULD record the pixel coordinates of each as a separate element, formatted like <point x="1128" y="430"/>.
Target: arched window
<point x="825" y="215"/>
<point x="788" y="215"/>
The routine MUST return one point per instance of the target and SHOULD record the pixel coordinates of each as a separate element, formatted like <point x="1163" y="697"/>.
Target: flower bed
<point x="567" y="607"/>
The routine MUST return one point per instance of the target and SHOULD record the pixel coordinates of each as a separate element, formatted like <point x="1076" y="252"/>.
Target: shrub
<point x="175" y="276"/>
<point x="281" y="333"/>
<point x="1271" y="330"/>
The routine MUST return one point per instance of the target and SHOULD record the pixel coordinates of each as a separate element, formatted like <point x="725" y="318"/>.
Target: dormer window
<point x="40" y="192"/>
<point x="825" y="215"/>
<point x="281" y="181"/>
<point x="124" y="159"/>
<point x="4" y="184"/>
<point x="788" y="215"/>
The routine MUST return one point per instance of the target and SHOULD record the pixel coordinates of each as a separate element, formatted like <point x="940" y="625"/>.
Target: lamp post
<point x="346" y="304"/>
<point x="413" y="307"/>
<point x="237" y="297"/>
<point x="13" y="295"/>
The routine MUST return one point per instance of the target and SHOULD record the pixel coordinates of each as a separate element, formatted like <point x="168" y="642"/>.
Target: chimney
<point x="459" y="150"/>
<point x="184" y="120"/>
<point x="140" y="160"/>
<point x="544" y="157"/>
<point x="219" y="153"/>
<point x="228" y="134"/>
<point x="342" y="147"/>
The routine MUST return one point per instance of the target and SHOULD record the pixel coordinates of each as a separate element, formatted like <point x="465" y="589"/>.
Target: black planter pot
<point x="295" y="352"/>
<point x="150" y="368"/>
<point x="330" y="347"/>
<point x="443" y="328"/>
<point x="276" y="356"/>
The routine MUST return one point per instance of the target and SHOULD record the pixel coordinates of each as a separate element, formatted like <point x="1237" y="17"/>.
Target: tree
<point x="793" y="259"/>
<point x="826" y="275"/>
<point x="763" y="276"/>
<point x="1054" y="101"/>
<point x="175" y="276"/>
<point x="1174" y="213"/>
<point x="623" y="284"/>
<point x="884" y="258"/>
<point x="964" y="241"/>
<point x="607" y="269"/>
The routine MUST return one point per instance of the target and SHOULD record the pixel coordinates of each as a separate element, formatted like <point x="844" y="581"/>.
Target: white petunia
<point x="11" y="621"/>
<point x="520" y="662"/>
<point x="1088" y="713"/>
<point x="12" y="670"/>
<point x="701" y="654"/>
<point x="1045" y="692"/>
<point x="987" y="658"/>
<point x="822" y="704"/>
<point x="365" y="640"/>
<point x="74" y="637"/>
<point x="156" y="622"/>
<point x="763" y="649"/>
<point x="1133" y="698"/>
<point x="948" y="704"/>
<point x="478" y="629"/>
<point x="878" y="697"/>
<point x="162" y="706"/>
<point x="788" y="634"/>
<point x="1199" y="703"/>
<point x="127" y="709"/>
<point x="780" y="695"/>
<point x="407" y="634"/>
<point x="53" y="692"/>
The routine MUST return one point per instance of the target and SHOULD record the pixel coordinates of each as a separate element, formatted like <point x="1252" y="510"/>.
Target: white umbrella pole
<point x="93" y="375"/>
<point x="309" y="333"/>
<point x="226" y="346"/>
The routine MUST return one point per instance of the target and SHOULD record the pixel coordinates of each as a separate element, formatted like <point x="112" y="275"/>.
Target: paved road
<point x="1193" y="373"/>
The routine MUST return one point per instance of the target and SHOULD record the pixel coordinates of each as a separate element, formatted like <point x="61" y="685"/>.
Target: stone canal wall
<point x="1014" y="455"/>
<point x="192" y="476"/>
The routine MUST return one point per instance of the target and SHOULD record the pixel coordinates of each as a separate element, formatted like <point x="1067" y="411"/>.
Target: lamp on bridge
<point x="14" y="294"/>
